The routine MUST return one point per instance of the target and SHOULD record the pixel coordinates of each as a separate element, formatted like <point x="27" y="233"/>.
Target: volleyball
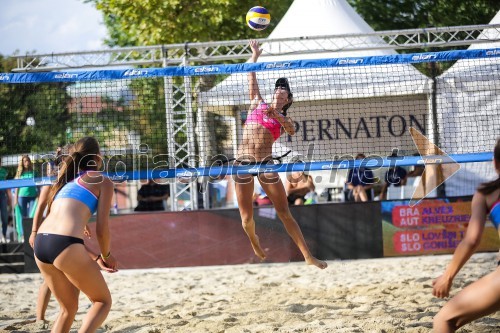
<point x="258" y="18"/>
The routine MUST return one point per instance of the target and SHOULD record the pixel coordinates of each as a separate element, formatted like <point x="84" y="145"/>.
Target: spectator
<point x="10" y="230"/>
<point x="395" y="176"/>
<point x="25" y="197"/>
<point x="298" y="185"/>
<point x="260" y="197"/>
<point x="311" y="198"/>
<point x="151" y="196"/>
<point x="217" y="187"/>
<point x="417" y="172"/>
<point x="359" y="182"/>
<point x="5" y="205"/>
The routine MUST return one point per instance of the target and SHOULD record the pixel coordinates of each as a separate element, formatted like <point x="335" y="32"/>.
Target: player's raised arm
<point x="253" y="85"/>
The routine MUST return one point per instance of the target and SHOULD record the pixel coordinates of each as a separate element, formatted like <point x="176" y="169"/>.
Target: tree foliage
<point x="410" y="14"/>
<point x="147" y="113"/>
<point x="45" y="103"/>
<point x="153" y="22"/>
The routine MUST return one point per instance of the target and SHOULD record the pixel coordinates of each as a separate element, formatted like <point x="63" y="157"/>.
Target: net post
<point x="169" y="125"/>
<point x="189" y="114"/>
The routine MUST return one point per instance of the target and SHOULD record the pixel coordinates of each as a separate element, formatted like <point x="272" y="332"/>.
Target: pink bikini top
<point x="258" y="116"/>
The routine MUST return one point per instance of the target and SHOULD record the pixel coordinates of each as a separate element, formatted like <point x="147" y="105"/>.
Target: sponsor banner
<point x="235" y="68"/>
<point x="430" y="227"/>
<point x="417" y="241"/>
<point x="429" y="213"/>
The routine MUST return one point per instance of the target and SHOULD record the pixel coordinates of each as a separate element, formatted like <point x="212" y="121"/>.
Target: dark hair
<point x="287" y="106"/>
<point x="490" y="187"/>
<point x="63" y="152"/>
<point x="80" y="158"/>
<point x="283" y="82"/>
<point x="360" y="155"/>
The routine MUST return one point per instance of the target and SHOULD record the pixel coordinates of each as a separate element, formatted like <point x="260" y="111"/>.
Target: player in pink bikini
<point x="263" y="127"/>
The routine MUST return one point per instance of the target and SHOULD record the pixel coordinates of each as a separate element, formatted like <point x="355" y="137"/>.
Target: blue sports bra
<point x="495" y="214"/>
<point x="76" y="190"/>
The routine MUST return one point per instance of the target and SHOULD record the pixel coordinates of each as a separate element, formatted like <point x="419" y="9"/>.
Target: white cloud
<point x="47" y="26"/>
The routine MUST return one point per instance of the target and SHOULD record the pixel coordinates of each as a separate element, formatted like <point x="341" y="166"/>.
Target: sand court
<point x="373" y="295"/>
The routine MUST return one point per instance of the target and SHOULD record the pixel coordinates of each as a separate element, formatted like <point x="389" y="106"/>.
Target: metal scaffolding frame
<point x="180" y="110"/>
<point x="174" y="54"/>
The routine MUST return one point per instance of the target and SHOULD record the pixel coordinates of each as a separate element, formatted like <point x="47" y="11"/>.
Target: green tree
<point x="45" y="103"/>
<point x="410" y="14"/>
<point x="147" y="113"/>
<point x="153" y="22"/>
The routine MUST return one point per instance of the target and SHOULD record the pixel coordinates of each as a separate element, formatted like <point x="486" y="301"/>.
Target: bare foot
<point x="316" y="262"/>
<point x="256" y="247"/>
<point x="42" y="324"/>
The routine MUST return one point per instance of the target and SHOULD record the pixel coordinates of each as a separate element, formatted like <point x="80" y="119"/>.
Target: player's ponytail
<point x="287" y="106"/>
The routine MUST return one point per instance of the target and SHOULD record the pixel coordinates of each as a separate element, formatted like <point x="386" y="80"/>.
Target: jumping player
<point x="264" y="125"/>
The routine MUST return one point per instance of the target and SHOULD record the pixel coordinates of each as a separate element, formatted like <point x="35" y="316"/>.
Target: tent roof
<point x="307" y="18"/>
<point x="489" y="34"/>
<point x="467" y="101"/>
<point x="489" y="67"/>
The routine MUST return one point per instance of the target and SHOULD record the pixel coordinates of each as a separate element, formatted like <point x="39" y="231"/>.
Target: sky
<point x="47" y="26"/>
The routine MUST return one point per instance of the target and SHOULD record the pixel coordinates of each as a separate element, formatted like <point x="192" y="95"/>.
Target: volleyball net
<point x="189" y="121"/>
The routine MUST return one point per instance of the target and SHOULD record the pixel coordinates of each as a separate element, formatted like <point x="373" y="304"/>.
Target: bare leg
<point x="362" y="194"/>
<point x="272" y="185"/>
<point x="85" y="275"/>
<point x="475" y="301"/>
<point x="244" y="192"/>
<point x="42" y="301"/>
<point x="355" y="194"/>
<point x="65" y="293"/>
<point x="298" y="202"/>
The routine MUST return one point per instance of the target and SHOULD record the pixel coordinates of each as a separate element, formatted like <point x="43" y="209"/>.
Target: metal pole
<point x="169" y="121"/>
<point x="188" y="96"/>
<point x="202" y="146"/>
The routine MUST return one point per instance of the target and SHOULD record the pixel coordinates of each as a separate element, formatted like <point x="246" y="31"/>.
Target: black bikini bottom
<point x="49" y="246"/>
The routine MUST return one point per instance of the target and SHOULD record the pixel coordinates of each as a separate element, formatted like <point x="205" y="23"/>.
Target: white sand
<point x="377" y="295"/>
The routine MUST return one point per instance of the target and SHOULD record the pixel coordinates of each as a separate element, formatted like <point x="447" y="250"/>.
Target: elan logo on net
<point x="135" y="72"/>
<point x="206" y="69"/>
<point x="350" y="61"/>
<point x="493" y="53"/>
<point x="65" y="76"/>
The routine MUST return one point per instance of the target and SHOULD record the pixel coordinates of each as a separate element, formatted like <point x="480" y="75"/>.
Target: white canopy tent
<point x="331" y="95"/>
<point x="468" y="105"/>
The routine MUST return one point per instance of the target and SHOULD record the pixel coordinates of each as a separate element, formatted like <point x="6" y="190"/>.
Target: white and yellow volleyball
<point x="258" y="18"/>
